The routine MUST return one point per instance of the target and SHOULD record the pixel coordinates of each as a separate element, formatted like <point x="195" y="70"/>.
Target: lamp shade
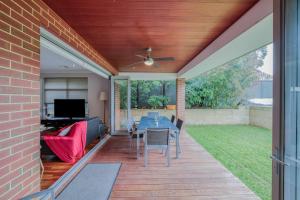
<point x="103" y="96"/>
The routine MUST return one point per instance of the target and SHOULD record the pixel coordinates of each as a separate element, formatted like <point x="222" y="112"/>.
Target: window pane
<point x="51" y="95"/>
<point x="78" y="95"/>
<point x="55" y="83"/>
<point x="50" y="110"/>
<point x="78" y="83"/>
<point x="86" y="109"/>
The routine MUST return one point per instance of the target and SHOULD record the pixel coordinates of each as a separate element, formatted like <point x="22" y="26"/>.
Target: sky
<point x="268" y="62"/>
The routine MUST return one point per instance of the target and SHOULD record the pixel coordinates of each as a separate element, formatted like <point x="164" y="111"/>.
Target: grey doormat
<point x="94" y="181"/>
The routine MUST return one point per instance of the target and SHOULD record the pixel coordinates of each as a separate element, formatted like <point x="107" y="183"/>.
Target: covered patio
<point x="108" y="38"/>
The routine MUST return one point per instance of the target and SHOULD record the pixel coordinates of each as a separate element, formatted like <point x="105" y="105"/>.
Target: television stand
<point x="59" y="123"/>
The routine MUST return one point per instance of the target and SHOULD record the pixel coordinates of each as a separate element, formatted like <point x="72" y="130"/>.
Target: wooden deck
<point x="195" y="175"/>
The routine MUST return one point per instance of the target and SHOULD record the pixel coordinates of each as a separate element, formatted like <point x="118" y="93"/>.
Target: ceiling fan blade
<point x="165" y="59"/>
<point x="140" y="56"/>
<point x="147" y="49"/>
<point x="133" y="64"/>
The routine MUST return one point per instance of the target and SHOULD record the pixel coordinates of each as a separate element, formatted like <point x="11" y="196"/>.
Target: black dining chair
<point x="156" y="138"/>
<point x="179" y="124"/>
<point x="173" y="119"/>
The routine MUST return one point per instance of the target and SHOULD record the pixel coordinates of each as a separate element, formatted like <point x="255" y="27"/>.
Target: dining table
<point x="161" y="122"/>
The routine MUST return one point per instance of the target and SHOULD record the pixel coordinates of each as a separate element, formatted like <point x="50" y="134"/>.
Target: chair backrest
<point x="173" y="118"/>
<point x="157" y="137"/>
<point x="153" y="115"/>
<point x="130" y="124"/>
<point x="179" y="124"/>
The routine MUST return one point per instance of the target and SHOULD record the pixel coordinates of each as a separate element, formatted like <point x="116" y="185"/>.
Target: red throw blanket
<point x="71" y="147"/>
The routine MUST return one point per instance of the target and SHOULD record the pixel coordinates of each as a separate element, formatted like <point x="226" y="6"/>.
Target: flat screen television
<point x="70" y="108"/>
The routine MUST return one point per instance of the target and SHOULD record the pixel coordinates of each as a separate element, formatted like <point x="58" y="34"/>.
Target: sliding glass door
<point x="120" y="104"/>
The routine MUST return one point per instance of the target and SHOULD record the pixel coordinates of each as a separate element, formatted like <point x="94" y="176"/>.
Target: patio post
<point x="117" y="103"/>
<point x="180" y="98"/>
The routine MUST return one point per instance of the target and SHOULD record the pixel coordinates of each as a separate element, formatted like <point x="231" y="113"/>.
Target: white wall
<point x="201" y="116"/>
<point x="217" y="116"/>
<point x="261" y="116"/>
<point x="255" y="115"/>
<point x="96" y="84"/>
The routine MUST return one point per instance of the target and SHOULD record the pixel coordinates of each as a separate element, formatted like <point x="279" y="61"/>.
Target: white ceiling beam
<point x="149" y="76"/>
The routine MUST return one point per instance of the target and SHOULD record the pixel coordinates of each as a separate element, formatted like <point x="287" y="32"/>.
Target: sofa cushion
<point x="92" y="129"/>
<point x="65" y="131"/>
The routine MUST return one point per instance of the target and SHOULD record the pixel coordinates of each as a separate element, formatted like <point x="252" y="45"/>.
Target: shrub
<point x="158" y="101"/>
<point x="155" y="102"/>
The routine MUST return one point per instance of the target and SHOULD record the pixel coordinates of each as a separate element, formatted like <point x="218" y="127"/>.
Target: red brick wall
<point x="180" y="98"/>
<point x="20" y="22"/>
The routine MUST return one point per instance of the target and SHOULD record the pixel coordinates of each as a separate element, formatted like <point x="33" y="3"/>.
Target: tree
<point x="123" y="94"/>
<point x="158" y="101"/>
<point x="155" y="102"/>
<point x="164" y="86"/>
<point x="142" y="90"/>
<point x="225" y="86"/>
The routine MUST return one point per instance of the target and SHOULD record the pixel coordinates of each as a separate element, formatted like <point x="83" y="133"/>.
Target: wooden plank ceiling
<point x="119" y="29"/>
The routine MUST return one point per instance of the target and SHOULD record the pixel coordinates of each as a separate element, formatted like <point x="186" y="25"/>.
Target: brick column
<point x="20" y="23"/>
<point x="117" y="110"/>
<point x="180" y="98"/>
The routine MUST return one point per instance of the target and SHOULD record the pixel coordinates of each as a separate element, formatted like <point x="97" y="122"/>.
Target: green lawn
<point x="244" y="150"/>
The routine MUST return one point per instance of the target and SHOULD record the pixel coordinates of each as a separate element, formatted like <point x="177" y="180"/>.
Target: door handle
<point x="278" y="161"/>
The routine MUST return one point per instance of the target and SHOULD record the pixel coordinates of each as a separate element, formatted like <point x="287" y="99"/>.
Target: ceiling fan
<point x="149" y="60"/>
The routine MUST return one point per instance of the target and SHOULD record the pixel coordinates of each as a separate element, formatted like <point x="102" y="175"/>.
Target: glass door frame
<point x="278" y="99"/>
<point x="112" y="100"/>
